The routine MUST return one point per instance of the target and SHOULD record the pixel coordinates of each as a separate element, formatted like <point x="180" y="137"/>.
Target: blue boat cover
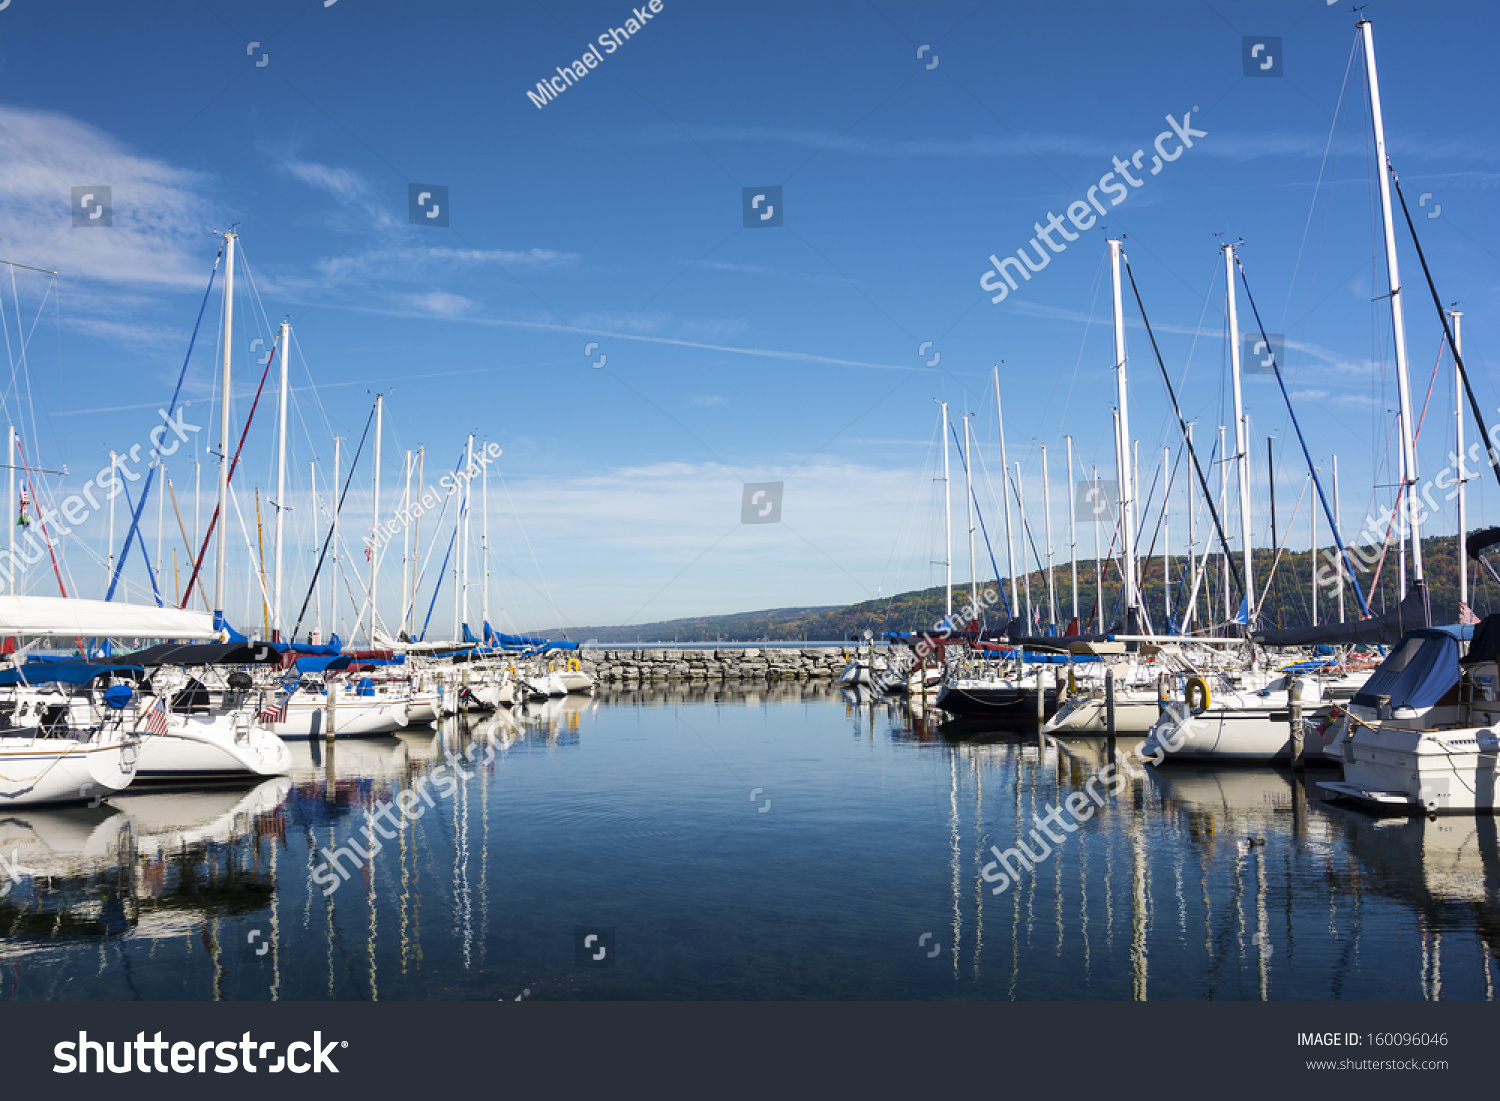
<point x="317" y="663"/>
<point x="66" y="672"/>
<point x="1419" y="671"/>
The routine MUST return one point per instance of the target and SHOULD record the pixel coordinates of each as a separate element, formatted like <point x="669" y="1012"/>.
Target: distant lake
<point x="720" y="842"/>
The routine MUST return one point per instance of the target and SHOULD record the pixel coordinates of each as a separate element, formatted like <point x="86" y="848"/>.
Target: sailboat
<point x="47" y="755"/>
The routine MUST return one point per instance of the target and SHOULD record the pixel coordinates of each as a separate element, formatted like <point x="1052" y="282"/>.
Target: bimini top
<point x="221" y="653"/>
<point x="1418" y="672"/>
<point x="67" y="672"/>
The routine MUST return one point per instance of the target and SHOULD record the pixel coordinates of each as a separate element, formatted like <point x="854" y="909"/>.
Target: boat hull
<point x="44" y="771"/>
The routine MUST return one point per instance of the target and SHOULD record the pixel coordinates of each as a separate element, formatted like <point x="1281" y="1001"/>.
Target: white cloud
<point x="161" y="221"/>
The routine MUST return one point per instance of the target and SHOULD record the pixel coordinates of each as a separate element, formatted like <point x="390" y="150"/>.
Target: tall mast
<point x="1340" y="525"/>
<point x="1166" y="539"/>
<point x="336" y="575"/>
<point x="1463" y="472"/>
<point x="1312" y="558"/>
<point x="221" y="544"/>
<point x="312" y="481"/>
<point x="405" y="544"/>
<point x="1010" y="542"/>
<point x="1224" y="511"/>
<point x="1026" y="572"/>
<point x="1098" y="560"/>
<point x="10" y="451"/>
<point x="1047" y="516"/>
<point x="1241" y="432"/>
<point x="281" y="414"/>
<point x="1127" y="486"/>
<point x="1073" y="528"/>
<point x="1192" y="541"/>
<point x="161" y="497"/>
<point x="464" y="538"/>
<point x="1401" y="491"/>
<point x="375" y="515"/>
<point x="416" y="535"/>
<point x="947" y="523"/>
<point x="109" y="566"/>
<point x="1410" y="513"/>
<point x="484" y="549"/>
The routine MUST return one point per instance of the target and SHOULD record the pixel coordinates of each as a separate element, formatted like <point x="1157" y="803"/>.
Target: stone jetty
<point x="771" y="663"/>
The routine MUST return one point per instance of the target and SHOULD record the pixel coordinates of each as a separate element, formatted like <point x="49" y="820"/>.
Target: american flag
<point x="276" y="712"/>
<point x="156" y="718"/>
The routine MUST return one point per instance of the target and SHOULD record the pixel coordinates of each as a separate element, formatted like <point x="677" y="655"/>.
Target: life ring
<point x="572" y="665"/>
<point x="1188" y="691"/>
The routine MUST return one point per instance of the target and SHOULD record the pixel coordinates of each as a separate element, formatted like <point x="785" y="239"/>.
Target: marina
<point x="1053" y="664"/>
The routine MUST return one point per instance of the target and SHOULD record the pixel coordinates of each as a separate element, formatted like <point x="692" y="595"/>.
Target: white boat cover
<point x="65" y="617"/>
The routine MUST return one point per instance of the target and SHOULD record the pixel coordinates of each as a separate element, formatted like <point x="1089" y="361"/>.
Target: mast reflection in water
<point x="743" y="843"/>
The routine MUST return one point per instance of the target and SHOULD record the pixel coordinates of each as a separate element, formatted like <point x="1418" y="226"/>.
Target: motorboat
<point x="1423" y="734"/>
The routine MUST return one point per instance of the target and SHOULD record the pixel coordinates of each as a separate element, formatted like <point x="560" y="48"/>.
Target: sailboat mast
<point x="1410" y="513"/>
<point x="1312" y="564"/>
<point x="1026" y="572"/>
<point x="1166" y="539"/>
<point x="484" y="551"/>
<point x="1241" y="433"/>
<point x="1223" y="511"/>
<point x="1127" y="487"/>
<point x="1047" y="525"/>
<point x="336" y="575"/>
<point x="1073" y="528"/>
<point x="10" y="451"/>
<point x="109" y="566"/>
<point x="405" y="543"/>
<point x="161" y="498"/>
<point x="464" y="554"/>
<point x="312" y="482"/>
<point x="1463" y="473"/>
<point x="416" y="535"/>
<point x="375" y="515"/>
<point x="1340" y="525"/>
<point x="281" y="414"/>
<point x="1010" y="542"/>
<point x="221" y="544"/>
<point x="1192" y="542"/>
<point x="1098" y="559"/>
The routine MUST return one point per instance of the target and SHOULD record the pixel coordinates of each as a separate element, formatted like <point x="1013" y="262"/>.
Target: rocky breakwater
<point x="772" y="663"/>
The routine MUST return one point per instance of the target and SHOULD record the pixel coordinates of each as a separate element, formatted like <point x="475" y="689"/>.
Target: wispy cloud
<point x="161" y="219"/>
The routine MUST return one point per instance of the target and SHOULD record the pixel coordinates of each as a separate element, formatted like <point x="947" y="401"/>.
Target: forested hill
<point x="1288" y="603"/>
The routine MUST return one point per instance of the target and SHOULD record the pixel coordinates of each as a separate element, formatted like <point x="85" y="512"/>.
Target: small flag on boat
<point x="1466" y="614"/>
<point x="369" y="552"/>
<point x="275" y="713"/>
<point x="24" y="520"/>
<point x="156" y="718"/>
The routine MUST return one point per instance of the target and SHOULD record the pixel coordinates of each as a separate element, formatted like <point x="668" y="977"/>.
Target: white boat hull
<point x="207" y="747"/>
<point x="352" y="719"/>
<point x="39" y="771"/>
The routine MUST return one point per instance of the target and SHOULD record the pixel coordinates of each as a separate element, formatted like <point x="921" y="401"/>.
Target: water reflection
<point x="629" y="808"/>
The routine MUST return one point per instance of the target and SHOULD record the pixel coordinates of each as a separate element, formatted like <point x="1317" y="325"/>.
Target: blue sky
<point x="733" y="355"/>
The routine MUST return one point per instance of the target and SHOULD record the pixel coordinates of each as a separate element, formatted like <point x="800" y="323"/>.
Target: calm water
<point x="744" y="845"/>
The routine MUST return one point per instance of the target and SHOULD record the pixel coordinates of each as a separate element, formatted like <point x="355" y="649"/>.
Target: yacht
<point x="1421" y="735"/>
